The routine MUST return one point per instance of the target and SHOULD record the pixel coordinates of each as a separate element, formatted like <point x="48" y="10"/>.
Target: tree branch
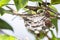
<point x="34" y="8"/>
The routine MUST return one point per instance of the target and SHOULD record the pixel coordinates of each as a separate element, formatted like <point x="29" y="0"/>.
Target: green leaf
<point x="31" y="12"/>
<point x="36" y="0"/>
<point x="42" y="35"/>
<point x="58" y="38"/>
<point x="52" y="7"/>
<point x="5" y="25"/>
<point x="51" y="13"/>
<point x="1" y="11"/>
<point x="7" y="37"/>
<point x="3" y="2"/>
<point x="55" y="2"/>
<point x="54" y="21"/>
<point x="38" y="39"/>
<point x="53" y="36"/>
<point x="20" y="3"/>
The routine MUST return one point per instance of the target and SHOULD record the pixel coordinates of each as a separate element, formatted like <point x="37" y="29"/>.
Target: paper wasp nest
<point x="36" y="23"/>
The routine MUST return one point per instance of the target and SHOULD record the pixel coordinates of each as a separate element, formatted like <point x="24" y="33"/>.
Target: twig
<point x="9" y="4"/>
<point x="48" y="8"/>
<point x="34" y="8"/>
<point x="47" y="36"/>
<point x="9" y="8"/>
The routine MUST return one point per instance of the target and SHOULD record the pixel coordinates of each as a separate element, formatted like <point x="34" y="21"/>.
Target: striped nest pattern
<point x="35" y="23"/>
